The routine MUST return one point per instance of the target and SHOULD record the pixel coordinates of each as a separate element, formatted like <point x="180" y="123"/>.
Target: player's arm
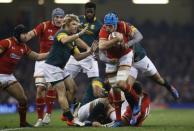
<point x="105" y="44"/>
<point x="69" y="38"/>
<point x="31" y="34"/>
<point x="79" y="56"/>
<point x="80" y="43"/>
<point x="36" y="56"/>
<point x="136" y="36"/>
<point x="104" y="58"/>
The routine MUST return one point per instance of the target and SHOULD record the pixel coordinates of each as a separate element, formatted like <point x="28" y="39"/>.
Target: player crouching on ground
<point x="11" y="51"/>
<point x="64" y="46"/>
<point x="101" y="113"/>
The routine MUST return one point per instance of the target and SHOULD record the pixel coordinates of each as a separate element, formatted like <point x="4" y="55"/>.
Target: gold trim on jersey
<point x="60" y="36"/>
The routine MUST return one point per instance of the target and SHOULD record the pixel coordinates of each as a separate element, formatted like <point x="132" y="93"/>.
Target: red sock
<point x="117" y="104"/>
<point x="50" y="98"/>
<point x="22" y="109"/>
<point x="40" y="103"/>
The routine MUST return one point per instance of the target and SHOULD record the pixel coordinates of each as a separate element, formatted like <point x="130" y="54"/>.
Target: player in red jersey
<point x="115" y="39"/>
<point x="126" y="111"/>
<point x="45" y="32"/>
<point x="100" y="111"/>
<point x="11" y="51"/>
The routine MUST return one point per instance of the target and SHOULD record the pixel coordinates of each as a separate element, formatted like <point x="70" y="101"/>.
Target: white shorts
<point x="124" y="60"/>
<point x="84" y="111"/>
<point x="88" y="65"/>
<point x="145" y="66"/>
<point x="6" y="80"/>
<point x="53" y="73"/>
<point x="39" y="69"/>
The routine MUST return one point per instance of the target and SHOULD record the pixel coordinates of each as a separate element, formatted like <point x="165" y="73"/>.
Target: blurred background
<point x="168" y="31"/>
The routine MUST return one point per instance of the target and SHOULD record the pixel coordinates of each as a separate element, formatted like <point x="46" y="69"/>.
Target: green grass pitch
<point x="159" y="120"/>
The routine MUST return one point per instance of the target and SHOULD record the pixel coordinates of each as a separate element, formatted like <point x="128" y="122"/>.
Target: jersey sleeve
<point x="39" y="28"/>
<point x="60" y="36"/>
<point x="103" y="33"/>
<point x="5" y="44"/>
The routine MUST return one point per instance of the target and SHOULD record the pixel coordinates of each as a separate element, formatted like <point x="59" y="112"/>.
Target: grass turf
<point x="158" y="120"/>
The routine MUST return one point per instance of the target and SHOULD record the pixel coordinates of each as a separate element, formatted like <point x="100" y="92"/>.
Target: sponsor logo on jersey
<point x="15" y="56"/>
<point x="51" y="37"/>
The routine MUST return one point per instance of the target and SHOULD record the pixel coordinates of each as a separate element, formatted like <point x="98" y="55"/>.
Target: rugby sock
<point x="40" y="103"/>
<point x="117" y="103"/>
<point x="167" y="85"/>
<point x="50" y="98"/>
<point x="22" y="109"/>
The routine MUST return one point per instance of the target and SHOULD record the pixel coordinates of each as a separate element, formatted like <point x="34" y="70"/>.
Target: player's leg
<point x="111" y="71"/>
<point x="16" y="90"/>
<point x="62" y="99"/>
<point x="71" y="88"/>
<point x="40" y="83"/>
<point x="41" y="86"/>
<point x="73" y="67"/>
<point x="148" y="68"/>
<point x="50" y="98"/>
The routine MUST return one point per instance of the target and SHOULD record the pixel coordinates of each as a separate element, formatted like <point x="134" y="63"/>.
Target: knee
<point x="40" y="90"/>
<point x="23" y="101"/>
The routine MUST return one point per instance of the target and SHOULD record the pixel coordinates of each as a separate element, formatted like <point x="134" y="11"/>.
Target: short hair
<point x="70" y="17"/>
<point x="90" y="5"/>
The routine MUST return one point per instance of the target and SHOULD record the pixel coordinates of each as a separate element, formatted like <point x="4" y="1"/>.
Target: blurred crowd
<point x="170" y="47"/>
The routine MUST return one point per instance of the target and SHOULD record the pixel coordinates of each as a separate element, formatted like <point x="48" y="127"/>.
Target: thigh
<point x="70" y="84"/>
<point x="60" y="88"/>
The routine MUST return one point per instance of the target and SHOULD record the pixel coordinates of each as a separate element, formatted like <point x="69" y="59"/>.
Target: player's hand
<point x="83" y="31"/>
<point x="125" y="45"/>
<point x="119" y="36"/>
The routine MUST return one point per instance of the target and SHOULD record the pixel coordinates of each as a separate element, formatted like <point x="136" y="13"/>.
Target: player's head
<point x="71" y="23"/>
<point x="111" y="21"/>
<point x="90" y="10"/>
<point x="19" y="33"/>
<point x="57" y="16"/>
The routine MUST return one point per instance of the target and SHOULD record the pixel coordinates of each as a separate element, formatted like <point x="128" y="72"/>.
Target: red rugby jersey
<point x="11" y="55"/>
<point x="115" y="51"/>
<point x="45" y="31"/>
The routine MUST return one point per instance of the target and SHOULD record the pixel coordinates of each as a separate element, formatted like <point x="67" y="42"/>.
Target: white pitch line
<point x="14" y="129"/>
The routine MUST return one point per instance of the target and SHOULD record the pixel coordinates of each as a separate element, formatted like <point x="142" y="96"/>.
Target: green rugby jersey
<point x="59" y="52"/>
<point x="93" y="30"/>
